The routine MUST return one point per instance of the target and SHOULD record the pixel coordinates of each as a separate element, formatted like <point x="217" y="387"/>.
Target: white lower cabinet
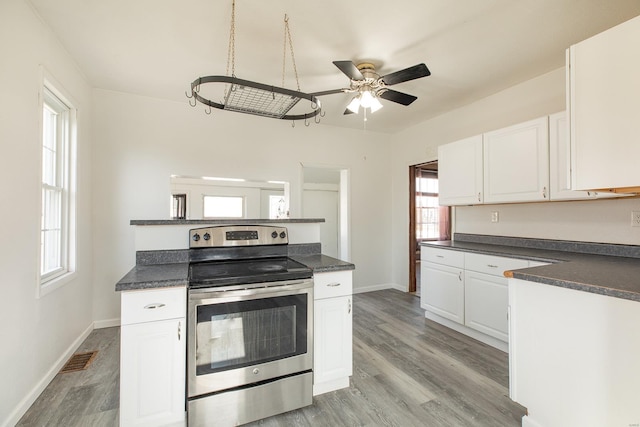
<point x="486" y="299"/>
<point x="442" y="290"/>
<point x="153" y="357"/>
<point x="332" y="337"/>
<point x="468" y="292"/>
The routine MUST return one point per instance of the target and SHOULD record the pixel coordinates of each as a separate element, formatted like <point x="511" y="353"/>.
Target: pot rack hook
<point x="306" y="122"/>
<point x="322" y="113"/>
<point x="317" y="118"/>
<point x="208" y="112"/>
<point x="187" y="95"/>
<point x="194" y="101"/>
<point x="293" y="123"/>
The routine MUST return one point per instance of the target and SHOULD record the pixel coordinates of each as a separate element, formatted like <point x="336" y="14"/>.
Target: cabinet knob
<point x="479" y="198"/>
<point x="179" y="327"/>
<point x="349" y="311"/>
<point x="544" y="192"/>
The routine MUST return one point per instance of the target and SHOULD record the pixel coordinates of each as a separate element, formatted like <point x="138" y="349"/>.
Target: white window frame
<point x="52" y="96"/>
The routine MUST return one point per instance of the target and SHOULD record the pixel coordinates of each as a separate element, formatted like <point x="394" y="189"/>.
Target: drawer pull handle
<point x="154" y="306"/>
<point x="349" y="312"/>
<point x="492" y="266"/>
<point x="334" y="284"/>
<point x="439" y="256"/>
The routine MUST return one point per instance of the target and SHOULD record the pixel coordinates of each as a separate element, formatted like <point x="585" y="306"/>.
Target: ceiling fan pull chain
<point x="287" y="37"/>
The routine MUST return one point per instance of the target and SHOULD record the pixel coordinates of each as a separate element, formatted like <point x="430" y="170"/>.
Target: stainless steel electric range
<point x="249" y="327"/>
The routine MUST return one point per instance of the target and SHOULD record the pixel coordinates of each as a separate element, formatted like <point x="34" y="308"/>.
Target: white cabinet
<point x="560" y="170"/>
<point x="442" y="283"/>
<point x="153" y="357"/>
<point x="487" y="294"/>
<point x="332" y="332"/>
<point x="516" y="163"/>
<point x="460" y="172"/>
<point x="603" y="92"/>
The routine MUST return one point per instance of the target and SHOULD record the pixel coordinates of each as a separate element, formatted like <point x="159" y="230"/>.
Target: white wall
<point x="141" y="141"/>
<point x="36" y="333"/>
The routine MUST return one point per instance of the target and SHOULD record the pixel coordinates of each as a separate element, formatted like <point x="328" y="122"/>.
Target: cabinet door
<point x="460" y="172"/>
<point x="560" y="170"/>
<point x="603" y="101"/>
<point x="516" y="163"/>
<point x="486" y="301"/>
<point x="442" y="291"/>
<point x="332" y="339"/>
<point x="152" y="373"/>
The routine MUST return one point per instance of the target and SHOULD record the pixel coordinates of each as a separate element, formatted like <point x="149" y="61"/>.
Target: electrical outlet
<point x="494" y="216"/>
<point x="635" y="218"/>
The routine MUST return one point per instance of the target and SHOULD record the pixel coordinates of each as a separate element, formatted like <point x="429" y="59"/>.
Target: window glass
<point x="223" y="207"/>
<point x="56" y="224"/>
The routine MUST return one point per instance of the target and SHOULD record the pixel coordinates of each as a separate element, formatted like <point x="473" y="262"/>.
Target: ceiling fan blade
<point x="399" y="97"/>
<point x="407" y="74"/>
<point x="328" y="92"/>
<point x="347" y="111"/>
<point x="349" y="69"/>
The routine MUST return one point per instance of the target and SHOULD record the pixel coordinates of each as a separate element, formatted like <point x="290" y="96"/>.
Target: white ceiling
<point x="473" y="48"/>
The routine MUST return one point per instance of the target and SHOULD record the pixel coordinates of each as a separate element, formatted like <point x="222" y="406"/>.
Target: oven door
<point x="244" y="336"/>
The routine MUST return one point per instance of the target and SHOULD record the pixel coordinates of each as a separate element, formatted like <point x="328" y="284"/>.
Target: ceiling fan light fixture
<point x="354" y="105"/>
<point x="366" y="98"/>
<point x="375" y="105"/>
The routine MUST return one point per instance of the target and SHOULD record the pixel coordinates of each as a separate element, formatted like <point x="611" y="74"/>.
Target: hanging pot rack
<point x="245" y="96"/>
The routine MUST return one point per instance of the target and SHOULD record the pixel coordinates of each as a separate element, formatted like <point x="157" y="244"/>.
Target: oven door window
<point x="237" y="334"/>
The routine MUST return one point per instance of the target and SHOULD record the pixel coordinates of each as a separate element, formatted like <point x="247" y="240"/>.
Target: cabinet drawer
<point x="494" y="265"/>
<point x="332" y="284"/>
<point x="442" y="256"/>
<point x="151" y="305"/>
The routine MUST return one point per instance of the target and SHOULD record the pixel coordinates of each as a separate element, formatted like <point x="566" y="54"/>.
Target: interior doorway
<point x="427" y="219"/>
<point x="325" y="194"/>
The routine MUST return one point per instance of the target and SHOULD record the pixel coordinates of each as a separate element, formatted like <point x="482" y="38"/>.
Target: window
<point x="57" y="226"/>
<point x="223" y="207"/>
<point x="432" y="220"/>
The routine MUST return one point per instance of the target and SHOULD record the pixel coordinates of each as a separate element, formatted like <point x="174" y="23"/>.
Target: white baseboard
<point x="31" y="397"/>
<point x="108" y="323"/>
<point x="528" y="422"/>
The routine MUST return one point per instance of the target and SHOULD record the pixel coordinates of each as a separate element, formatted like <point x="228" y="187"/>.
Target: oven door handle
<point x="219" y="295"/>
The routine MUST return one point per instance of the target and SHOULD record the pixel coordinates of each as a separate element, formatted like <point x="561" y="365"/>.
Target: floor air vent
<point x="79" y="362"/>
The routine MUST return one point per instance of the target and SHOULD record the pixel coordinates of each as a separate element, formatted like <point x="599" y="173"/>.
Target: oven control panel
<point x="237" y="235"/>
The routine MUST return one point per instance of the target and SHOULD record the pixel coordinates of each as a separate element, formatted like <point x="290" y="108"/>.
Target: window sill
<point x="53" y="284"/>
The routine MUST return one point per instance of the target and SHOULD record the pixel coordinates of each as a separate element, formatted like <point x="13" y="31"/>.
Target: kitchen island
<point x="154" y="295"/>
<point x="574" y="329"/>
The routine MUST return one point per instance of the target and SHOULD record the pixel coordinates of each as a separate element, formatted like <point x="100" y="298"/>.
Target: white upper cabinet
<point x="516" y="163"/>
<point x="604" y="107"/>
<point x="460" y="172"/>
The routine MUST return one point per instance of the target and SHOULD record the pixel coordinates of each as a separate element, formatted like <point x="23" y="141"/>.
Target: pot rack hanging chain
<point x="287" y="38"/>
<point x="231" y="51"/>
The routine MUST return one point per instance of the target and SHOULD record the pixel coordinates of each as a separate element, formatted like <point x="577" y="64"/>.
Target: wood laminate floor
<point x="408" y="371"/>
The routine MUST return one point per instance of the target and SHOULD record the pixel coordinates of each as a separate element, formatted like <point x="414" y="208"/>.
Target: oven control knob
<point x="283" y="235"/>
<point x="256" y="371"/>
<point x="196" y="237"/>
<point x="206" y="236"/>
<point x="274" y="234"/>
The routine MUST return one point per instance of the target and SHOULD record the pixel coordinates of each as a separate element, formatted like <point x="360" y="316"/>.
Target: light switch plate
<point x="494" y="216"/>
<point x="635" y="218"/>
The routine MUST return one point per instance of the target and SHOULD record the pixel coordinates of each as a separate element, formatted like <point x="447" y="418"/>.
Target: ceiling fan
<point x="369" y="85"/>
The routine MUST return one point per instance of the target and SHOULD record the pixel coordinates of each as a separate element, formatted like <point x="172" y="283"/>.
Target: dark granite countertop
<point x="151" y="276"/>
<point x="322" y="263"/>
<point x="611" y="270"/>
<point x="154" y="276"/>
